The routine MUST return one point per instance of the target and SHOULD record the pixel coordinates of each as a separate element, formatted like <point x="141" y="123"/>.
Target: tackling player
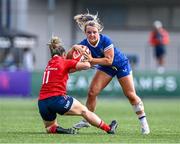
<point x="110" y="62"/>
<point x="53" y="99"/>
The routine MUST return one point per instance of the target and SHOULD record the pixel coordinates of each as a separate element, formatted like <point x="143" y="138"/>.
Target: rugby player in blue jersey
<point x="110" y="62"/>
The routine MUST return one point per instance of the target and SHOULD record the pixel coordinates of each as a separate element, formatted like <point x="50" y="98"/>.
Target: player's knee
<point x="130" y="94"/>
<point x="133" y="98"/>
<point x="92" y="93"/>
<point x="84" y="112"/>
<point x="51" y="129"/>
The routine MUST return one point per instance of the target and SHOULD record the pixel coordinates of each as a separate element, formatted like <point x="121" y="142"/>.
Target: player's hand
<point x="79" y="48"/>
<point x="88" y="57"/>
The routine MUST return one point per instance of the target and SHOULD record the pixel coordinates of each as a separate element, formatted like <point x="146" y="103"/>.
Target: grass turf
<point x="20" y="123"/>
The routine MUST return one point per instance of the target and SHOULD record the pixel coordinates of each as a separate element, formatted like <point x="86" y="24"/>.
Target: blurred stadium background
<point x="29" y="24"/>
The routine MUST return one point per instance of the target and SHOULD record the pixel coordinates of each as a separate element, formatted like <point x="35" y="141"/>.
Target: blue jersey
<point x="103" y="45"/>
<point x="120" y="66"/>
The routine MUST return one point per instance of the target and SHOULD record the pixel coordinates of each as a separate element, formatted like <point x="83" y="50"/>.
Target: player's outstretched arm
<point x="81" y="66"/>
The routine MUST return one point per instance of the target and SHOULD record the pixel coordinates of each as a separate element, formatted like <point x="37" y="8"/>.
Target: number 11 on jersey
<point x="46" y="77"/>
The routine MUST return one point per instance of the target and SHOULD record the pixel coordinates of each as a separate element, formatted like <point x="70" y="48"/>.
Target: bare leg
<point x="161" y="61"/>
<point x="127" y="85"/>
<point x="98" y="83"/>
<point x="79" y="109"/>
<point x="129" y="90"/>
<point x="53" y="127"/>
<point x="49" y="123"/>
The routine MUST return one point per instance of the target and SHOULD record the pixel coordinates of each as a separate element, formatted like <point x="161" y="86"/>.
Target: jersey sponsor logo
<point x="114" y="68"/>
<point x="67" y="104"/>
<point x="51" y="68"/>
<point x="125" y="70"/>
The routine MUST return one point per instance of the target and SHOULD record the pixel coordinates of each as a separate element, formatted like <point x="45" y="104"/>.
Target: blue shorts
<point x="48" y="108"/>
<point x="160" y="51"/>
<point x="119" y="71"/>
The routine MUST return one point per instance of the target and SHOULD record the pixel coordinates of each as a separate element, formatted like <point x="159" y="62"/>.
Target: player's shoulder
<point x="105" y="38"/>
<point x="83" y="42"/>
<point x="56" y="58"/>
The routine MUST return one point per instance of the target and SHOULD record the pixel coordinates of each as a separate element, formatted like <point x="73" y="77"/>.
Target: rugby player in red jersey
<point x="53" y="98"/>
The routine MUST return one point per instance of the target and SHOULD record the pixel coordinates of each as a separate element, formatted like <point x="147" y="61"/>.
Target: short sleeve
<point x="107" y="43"/>
<point x="83" y="42"/>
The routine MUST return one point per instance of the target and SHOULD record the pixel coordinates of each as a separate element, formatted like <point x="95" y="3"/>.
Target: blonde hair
<point x="84" y="20"/>
<point x="54" y="42"/>
<point x="55" y="46"/>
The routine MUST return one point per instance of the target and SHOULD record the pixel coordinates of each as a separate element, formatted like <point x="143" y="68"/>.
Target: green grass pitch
<point x="20" y="123"/>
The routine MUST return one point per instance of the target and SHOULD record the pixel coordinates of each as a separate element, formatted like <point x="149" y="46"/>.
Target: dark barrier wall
<point x="147" y="84"/>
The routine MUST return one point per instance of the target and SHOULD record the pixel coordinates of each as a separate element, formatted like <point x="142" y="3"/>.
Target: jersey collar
<point x="96" y="43"/>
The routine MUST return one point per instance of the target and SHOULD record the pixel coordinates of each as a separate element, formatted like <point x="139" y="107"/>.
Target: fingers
<point x="87" y="56"/>
<point x="85" y="60"/>
<point x="80" y="48"/>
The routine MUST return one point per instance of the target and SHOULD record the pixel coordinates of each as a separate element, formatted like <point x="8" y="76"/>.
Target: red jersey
<point x="55" y="77"/>
<point x="155" y="40"/>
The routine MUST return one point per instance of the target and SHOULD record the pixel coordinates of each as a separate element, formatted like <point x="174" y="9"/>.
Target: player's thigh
<point x="77" y="108"/>
<point x="99" y="81"/>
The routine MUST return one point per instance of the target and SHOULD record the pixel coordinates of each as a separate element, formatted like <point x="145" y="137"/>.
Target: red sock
<point x="52" y="129"/>
<point x="104" y="126"/>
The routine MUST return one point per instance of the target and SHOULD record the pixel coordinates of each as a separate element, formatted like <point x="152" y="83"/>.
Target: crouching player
<point x="53" y="99"/>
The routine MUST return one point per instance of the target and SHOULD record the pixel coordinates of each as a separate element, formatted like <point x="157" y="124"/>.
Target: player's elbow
<point x="84" y="112"/>
<point x="108" y="60"/>
<point x="87" y="65"/>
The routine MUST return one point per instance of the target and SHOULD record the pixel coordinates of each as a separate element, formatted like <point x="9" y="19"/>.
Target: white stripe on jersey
<point x="109" y="47"/>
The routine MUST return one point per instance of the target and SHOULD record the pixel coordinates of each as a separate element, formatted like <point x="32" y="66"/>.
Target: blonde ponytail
<point x="54" y="42"/>
<point x="56" y="47"/>
<point x="84" y="20"/>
